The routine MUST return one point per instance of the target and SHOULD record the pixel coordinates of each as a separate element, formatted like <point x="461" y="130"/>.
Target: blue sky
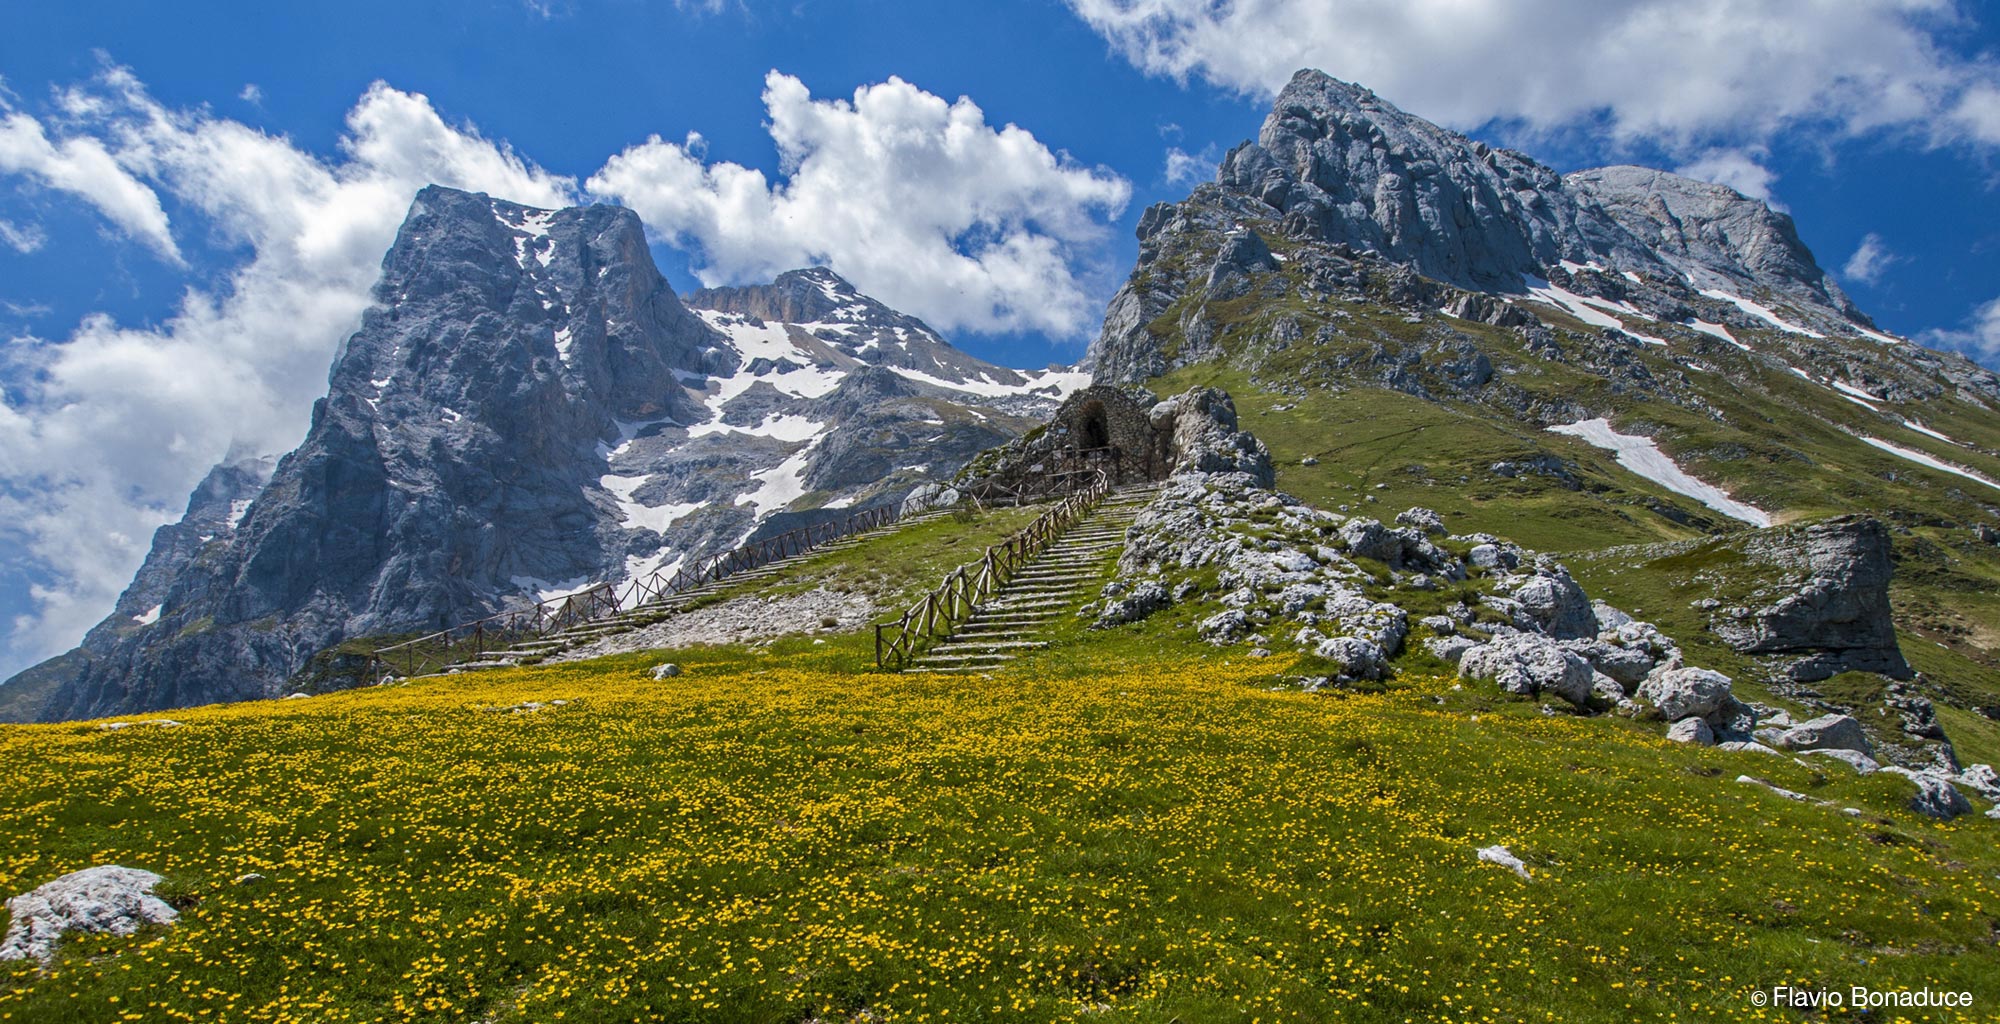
<point x="193" y="197"/>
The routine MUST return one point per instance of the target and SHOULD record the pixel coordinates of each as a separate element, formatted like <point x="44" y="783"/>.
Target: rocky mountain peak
<point x="1343" y="165"/>
<point x="851" y="328"/>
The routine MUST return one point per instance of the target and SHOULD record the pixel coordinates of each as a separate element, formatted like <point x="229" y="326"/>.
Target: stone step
<point x="960" y="658"/>
<point x="988" y="646"/>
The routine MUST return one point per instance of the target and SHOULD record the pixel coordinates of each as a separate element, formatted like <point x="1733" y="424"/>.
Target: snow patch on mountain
<point x="1761" y="312"/>
<point x="1643" y="456"/>
<point x="1933" y="462"/>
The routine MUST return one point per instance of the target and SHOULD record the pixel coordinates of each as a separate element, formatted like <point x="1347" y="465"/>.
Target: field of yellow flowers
<point x="772" y="837"/>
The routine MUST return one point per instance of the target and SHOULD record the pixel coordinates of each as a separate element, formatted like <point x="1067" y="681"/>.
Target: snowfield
<point x="1642" y="456"/>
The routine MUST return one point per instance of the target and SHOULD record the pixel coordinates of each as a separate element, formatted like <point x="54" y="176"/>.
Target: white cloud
<point x="83" y="167"/>
<point x="1184" y="168"/>
<point x="916" y="200"/>
<point x="1739" y="169"/>
<point x="252" y="93"/>
<point x="1979" y="338"/>
<point x="1870" y="260"/>
<point x="1689" y="72"/>
<point x="22" y="238"/>
<point x="110" y="428"/>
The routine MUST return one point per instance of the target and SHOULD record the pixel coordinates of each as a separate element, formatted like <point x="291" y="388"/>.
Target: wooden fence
<point x="939" y="612"/>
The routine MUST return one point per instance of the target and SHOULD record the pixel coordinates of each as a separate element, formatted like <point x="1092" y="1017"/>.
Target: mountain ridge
<point x="528" y="407"/>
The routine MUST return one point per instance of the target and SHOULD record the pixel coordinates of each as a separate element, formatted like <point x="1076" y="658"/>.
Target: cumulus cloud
<point x="106" y="430"/>
<point x="1185" y="168"/>
<point x="1685" y="71"/>
<point x="1740" y="169"/>
<point x="85" y="168"/>
<point x="1978" y="338"/>
<point x="1870" y="260"/>
<point x="916" y="200"/>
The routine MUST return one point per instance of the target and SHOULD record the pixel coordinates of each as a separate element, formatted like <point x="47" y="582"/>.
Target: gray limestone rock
<point x="1680" y="693"/>
<point x="1553" y="602"/>
<point x="1855" y="759"/>
<point x="1935" y="796"/>
<point x="1525" y="663"/>
<point x="1141" y="600"/>
<point x="109" y="900"/>
<point x="1827" y="732"/>
<point x="1834" y="613"/>
<point x="1691" y="730"/>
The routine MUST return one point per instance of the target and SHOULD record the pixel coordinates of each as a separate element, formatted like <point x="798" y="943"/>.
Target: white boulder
<point x="108" y="899"/>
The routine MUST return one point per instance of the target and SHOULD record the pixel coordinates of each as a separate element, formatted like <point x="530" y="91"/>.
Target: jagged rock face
<point x="1834" y="609"/>
<point x="1345" y="166"/>
<point x="821" y="306"/>
<point x="529" y="408"/>
<point x="1711" y="233"/>
<point x="1346" y="205"/>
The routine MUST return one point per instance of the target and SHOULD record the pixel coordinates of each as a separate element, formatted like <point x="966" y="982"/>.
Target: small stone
<point x="1505" y="858"/>
<point x="1935" y="796"/>
<point x="1691" y="730"/>
<point x="1855" y="759"/>
<point x="252" y="878"/>
<point x="1827" y="732"/>
<point x="666" y="671"/>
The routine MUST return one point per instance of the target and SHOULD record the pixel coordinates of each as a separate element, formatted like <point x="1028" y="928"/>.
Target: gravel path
<point x="744" y="620"/>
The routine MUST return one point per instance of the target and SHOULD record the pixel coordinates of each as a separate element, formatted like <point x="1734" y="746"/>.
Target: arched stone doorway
<point x="1094" y="431"/>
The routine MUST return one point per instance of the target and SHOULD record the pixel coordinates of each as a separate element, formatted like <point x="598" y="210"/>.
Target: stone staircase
<point x="1006" y="626"/>
<point x="529" y="651"/>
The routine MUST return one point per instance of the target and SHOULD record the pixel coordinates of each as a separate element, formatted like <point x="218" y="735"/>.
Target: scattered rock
<point x="1691" y="730"/>
<point x="1855" y="759"/>
<point x="1449" y="649"/>
<point x="1935" y="797"/>
<point x="1358" y="658"/>
<point x="1686" y="692"/>
<point x="1556" y="605"/>
<point x="1505" y="858"/>
<point x="1141" y="600"/>
<point x="1786" y="793"/>
<point x="1525" y="663"/>
<point x="1224" y="627"/>
<point x="108" y="899"/>
<point x="1745" y="746"/>
<point x="1827" y="732"/>
<point x="667" y="670"/>
<point x="251" y="878"/>
<point x="1981" y="779"/>
<point x="1835" y="608"/>
<point x="1423" y="520"/>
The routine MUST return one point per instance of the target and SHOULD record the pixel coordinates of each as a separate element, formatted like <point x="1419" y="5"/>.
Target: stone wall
<point x="1127" y="432"/>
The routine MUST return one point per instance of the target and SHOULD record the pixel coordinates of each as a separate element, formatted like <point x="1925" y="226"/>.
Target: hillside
<point x="1600" y="360"/>
<point x="1135" y="828"/>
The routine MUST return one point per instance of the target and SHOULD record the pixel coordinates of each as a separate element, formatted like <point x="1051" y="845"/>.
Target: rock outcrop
<point x="108" y="900"/>
<point x="1831" y="601"/>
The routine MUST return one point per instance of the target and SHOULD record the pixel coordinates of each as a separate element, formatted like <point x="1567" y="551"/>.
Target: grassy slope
<point x="1127" y="822"/>
<point x="1776" y="440"/>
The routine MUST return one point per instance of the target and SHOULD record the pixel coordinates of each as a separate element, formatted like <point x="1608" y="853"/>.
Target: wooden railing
<point x="1063" y="472"/>
<point x="939" y="612"/>
<point x="472" y="641"/>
